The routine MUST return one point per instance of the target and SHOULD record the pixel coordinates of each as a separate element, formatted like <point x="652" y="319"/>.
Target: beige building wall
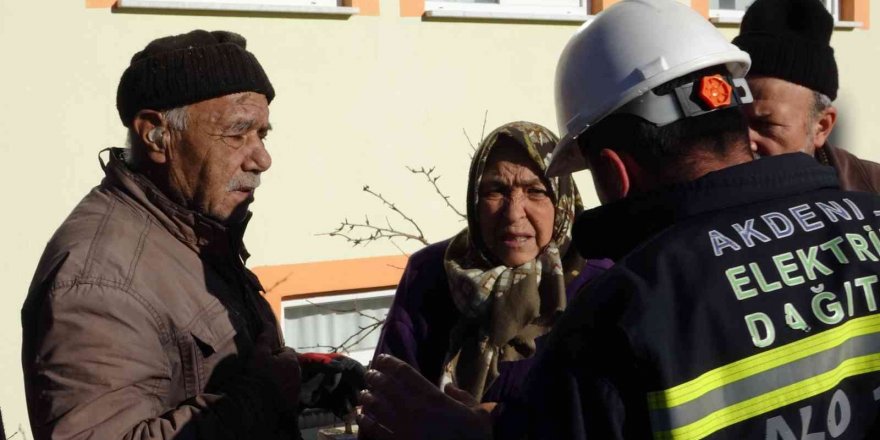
<point x="357" y="101"/>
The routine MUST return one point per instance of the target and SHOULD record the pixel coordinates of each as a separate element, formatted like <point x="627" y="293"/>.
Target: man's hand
<point x="401" y="404"/>
<point x="330" y="381"/>
<point x="280" y="367"/>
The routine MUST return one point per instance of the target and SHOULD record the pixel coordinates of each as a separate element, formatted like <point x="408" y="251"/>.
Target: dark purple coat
<point x="422" y="315"/>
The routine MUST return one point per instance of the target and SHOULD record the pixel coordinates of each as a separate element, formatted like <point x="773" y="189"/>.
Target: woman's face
<point x="515" y="208"/>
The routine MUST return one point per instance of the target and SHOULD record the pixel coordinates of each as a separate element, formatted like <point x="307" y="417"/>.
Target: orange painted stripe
<point x="367" y="7"/>
<point x="328" y="277"/>
<point x="412" y="8"/>
<point x="100" y="3"/>
<point x="597" y="6"/>
<point x="701" y="6"/>
<point x="856" y="10"/>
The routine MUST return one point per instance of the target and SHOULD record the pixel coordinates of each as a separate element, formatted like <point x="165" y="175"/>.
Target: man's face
<point x="781" y="117"/>
<point x="515" y="208"/>
<point x="215" y="164"/>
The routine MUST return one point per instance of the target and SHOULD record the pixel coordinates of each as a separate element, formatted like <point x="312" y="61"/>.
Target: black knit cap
<point x="184" y="69"/>
<point x="789" y="39"/>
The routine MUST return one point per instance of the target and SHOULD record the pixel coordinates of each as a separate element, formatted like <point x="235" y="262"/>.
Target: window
<point x="731" y="11"/>
<point x="316" y="324"/>
<point x="274" y="6"/>
<point x="570" y="10"/>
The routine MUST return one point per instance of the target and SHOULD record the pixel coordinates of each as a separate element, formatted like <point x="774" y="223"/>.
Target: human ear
<point x="151" y="130"/>
<point x="612" y="171"/>
<point x="823" y="126"/>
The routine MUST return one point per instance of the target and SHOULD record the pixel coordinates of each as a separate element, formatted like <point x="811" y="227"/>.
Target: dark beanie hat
<point x="789" y="39"/>
<point x="184" y="69"/>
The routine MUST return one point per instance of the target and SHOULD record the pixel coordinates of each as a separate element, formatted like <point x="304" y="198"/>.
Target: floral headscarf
<point x="505" y="308"/>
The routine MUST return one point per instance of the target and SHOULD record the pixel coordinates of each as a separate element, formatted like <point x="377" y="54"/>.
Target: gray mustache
<point x="244" y="181"/>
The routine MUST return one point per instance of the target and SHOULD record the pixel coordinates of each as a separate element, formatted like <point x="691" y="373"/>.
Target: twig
<point x="405" y="253"/>
<point x="483" y="131"/>
<point x="351" y="341"/>
<point x="469" y="140"/>
<point x="360" y="313"/>
<point x="361" y="334"/>
<point x="377" y="233"/>
<point x="280" y="282"/>
<point x="433" y="181"/>
<point x="394" y="208"/>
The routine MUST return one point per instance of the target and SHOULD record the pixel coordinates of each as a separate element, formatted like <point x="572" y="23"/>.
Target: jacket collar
<point x="613" y="230"/>
<point x="207" y="237"/>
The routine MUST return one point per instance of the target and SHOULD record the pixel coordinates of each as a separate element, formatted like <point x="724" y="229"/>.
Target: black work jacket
<point x="742" y="305"/>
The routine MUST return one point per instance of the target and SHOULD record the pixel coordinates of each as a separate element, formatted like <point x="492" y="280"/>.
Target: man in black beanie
<point x="794" y="82"/>
<point x="142" y="320"/>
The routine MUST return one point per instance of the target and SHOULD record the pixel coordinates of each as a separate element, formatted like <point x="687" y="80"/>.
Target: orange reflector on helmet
<point x="715" y="91"/>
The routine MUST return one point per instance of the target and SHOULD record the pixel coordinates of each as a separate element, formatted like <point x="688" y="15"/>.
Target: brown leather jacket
<point x="854" y="174"/>
<point x="138" y="323"/>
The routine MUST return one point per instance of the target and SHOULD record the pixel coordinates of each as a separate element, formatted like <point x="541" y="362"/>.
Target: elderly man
<point x="141" y="320"/>
<point x="794" y="81"/>
<point x="741" y="303"/>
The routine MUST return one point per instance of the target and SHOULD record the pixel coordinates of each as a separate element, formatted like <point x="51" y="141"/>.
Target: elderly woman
<point x="472" y="310"/>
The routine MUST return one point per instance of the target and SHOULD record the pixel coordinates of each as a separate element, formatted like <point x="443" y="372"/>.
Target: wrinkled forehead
<point x="779" y="99"/>
<point x="768" y="88"/>
<point x="248" y="107"/>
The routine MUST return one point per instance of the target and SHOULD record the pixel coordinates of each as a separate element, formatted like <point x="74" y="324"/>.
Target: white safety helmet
<point x="625" y="52"/>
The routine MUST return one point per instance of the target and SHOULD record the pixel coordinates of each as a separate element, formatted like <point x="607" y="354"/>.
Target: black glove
<point x="330" y="381"/>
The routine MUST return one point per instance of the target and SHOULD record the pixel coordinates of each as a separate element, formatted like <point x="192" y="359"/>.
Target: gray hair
<point x="821" y="102"/>
<point x="176" y="119"/>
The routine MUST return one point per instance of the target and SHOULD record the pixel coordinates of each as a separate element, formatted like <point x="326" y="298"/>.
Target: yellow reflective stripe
<point x="773" y="400"/>
<point x="760" y="363"/>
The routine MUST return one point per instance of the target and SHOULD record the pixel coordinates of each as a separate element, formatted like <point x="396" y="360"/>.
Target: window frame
<point x="328" y="281"/>
<point x="330" y="7"/>
<point x="364" y="356"/>
<point x="736" y="15"/>
<point x="510" y="9"/>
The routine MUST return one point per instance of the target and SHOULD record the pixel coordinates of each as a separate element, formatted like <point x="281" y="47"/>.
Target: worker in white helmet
<point x="742" y="301"/>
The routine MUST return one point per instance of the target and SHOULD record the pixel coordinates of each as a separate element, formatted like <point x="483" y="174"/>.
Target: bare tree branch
<point x="354" y="232"/>
<point x="334" y="310"/>
<point x="483" y="131"/>
<point x="474" y="148"/>
<point x="16" y="434"/>
<point x="394" y="208"/>
<point x="482" y="134"/>
<point x="428" y="173"/>
<point x="363" y="233"/>
<point x="360" y="335"/>
<point x="280" y="282"/>
<point x="405" y="253"/>
<point x="350" y="342"/>
<point x="374" y="233"/>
